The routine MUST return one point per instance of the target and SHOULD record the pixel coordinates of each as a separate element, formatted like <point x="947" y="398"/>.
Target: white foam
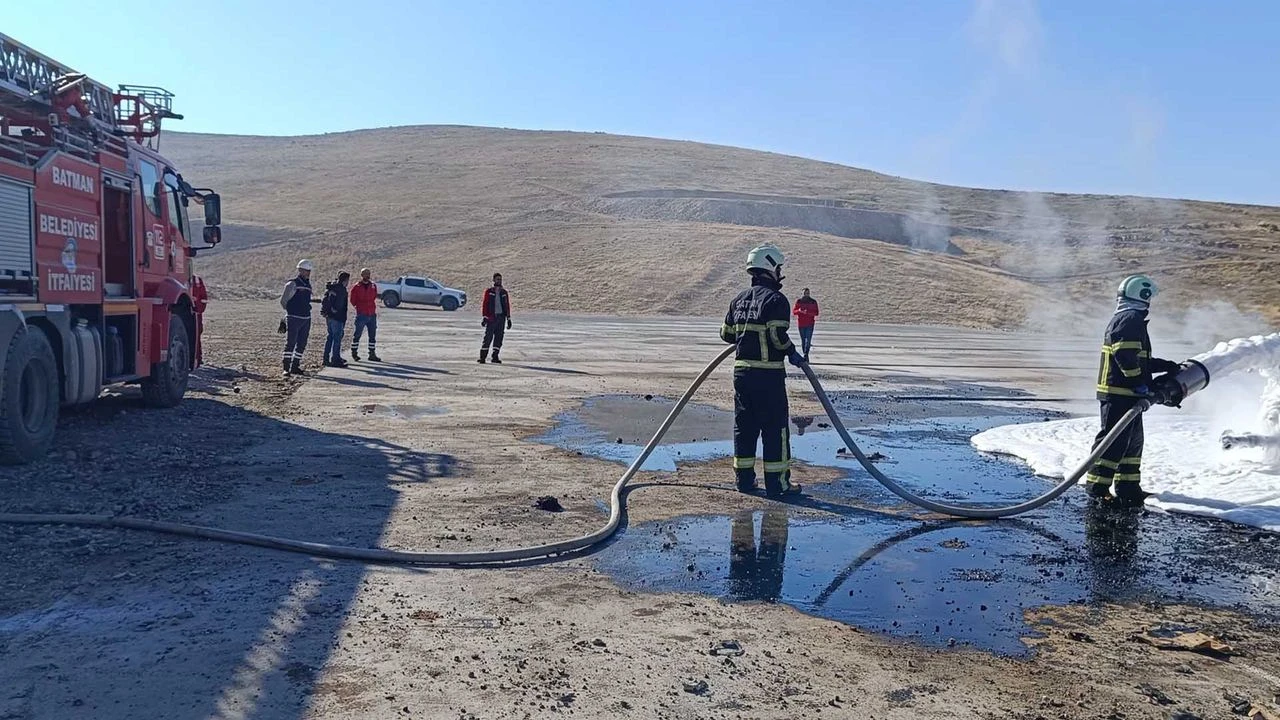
<point x="1251" y="354"/>
<point x="1183" y="462"/>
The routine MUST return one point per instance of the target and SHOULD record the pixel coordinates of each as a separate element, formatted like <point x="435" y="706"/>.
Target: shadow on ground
<point x="104" y="623"/>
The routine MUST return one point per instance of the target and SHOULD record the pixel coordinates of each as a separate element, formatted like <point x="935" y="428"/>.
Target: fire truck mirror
<point x="212" y="235"/>
<point x="212" y="210"/>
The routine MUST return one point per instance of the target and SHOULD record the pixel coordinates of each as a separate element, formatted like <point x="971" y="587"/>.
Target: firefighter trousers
<point x="760" y="413"/>
<point x="1123" y="460"/>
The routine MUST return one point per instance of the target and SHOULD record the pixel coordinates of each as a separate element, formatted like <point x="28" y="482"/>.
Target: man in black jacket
<point x="334" y="310"/>
<point x="757" y="323"/>
<point x="1124" y="379"/>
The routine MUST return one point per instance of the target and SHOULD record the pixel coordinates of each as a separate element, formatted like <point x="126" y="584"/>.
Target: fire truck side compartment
<point x="16" y="239"/>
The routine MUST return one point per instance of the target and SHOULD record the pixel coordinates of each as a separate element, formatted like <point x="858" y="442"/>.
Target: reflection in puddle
<point x="755" y="564"/>
<point x="801" y="423"/>
<point x="943" y="584"/>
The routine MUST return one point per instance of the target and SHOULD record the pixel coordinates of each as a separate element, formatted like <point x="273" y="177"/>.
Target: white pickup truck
<point x="420" y="291"/>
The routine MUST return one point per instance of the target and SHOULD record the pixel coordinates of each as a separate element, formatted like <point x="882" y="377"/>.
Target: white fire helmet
<point x="304" y="265"/>
<point x="767" y="258"/>
<point x="1138" y="287"/>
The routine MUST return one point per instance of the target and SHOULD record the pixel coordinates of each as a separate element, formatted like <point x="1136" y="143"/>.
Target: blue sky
<point x="1173" y="99"/>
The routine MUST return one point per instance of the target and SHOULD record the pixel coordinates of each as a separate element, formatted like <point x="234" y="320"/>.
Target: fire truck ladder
<point x="31" y="80"/>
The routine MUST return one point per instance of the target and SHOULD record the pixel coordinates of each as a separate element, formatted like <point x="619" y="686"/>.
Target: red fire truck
<point x="96" y="286"/>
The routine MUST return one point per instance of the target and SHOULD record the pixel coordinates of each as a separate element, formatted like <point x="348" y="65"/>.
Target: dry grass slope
<point x="592" y="222"/>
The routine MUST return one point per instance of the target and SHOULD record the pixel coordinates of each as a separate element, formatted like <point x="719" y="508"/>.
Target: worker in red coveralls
<point x="806" y="312"/>
<point x="200" y="298"/>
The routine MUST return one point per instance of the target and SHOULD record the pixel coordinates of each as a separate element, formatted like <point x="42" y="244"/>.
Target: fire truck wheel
<point x="168" y="381"/>
<point x="390" y="299"/>
<point x="28" y="398"/>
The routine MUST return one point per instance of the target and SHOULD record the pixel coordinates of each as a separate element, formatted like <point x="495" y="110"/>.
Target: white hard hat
<point x="1138" y="287"/>
<point x="767" y="258"/>
<point x="304" y="265"/>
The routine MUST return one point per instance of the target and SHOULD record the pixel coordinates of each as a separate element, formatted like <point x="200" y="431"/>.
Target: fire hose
<point x="1191" y="378"/>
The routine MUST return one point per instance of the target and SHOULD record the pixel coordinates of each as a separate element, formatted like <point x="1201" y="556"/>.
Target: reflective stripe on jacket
<point x="1126" y="355"/>
<point x="757" y="323"/>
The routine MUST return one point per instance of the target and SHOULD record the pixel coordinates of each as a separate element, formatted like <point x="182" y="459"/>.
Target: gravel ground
<point x="110" y="624"/>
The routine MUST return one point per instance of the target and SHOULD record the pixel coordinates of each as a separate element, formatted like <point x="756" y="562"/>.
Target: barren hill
<point x="591" y="222"/>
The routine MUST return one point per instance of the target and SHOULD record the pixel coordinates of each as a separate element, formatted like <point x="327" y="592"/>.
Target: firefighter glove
<point x="1167" y="395"/>
<point x="484" y="322"/>
<point x="1164" y="366"/>
<point x="508" y="323"/>
<point x="795" y="358"/>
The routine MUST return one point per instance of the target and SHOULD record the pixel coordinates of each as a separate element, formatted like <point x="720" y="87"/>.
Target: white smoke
<point x="1146" y="126"/>
<point x="928" y="226"/>
<point x="1010" y="31"/>
<point x="1203" y="325"/>
<point x="1009" y="37"/>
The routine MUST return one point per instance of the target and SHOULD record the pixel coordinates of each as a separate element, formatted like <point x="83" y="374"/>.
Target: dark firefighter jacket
<point x="757" y="323"/>
<point x="1126" y="362"/>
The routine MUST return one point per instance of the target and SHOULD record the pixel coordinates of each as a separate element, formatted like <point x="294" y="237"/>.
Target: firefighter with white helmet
<point x="1124" y="377"/>
<point x="757" y="324"/>
<point x="296" y="301"/>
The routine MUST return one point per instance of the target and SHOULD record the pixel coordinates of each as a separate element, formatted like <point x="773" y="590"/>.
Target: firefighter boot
<point x="1098" y="491"/>
<point x="495" y="359"/>
<point x="1130" y="494"/>
<point x="296" y="368"/>
<point x="288" y="366"/>
<point x="484" y="352"/>
<point x="373" y="356"/>
<point x="355" y="353"/>
<point x="746" y="481"/>
<point x="779" y="485"/>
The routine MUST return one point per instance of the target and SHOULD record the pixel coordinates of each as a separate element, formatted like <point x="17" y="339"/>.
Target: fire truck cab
<point x="96" y="241"/>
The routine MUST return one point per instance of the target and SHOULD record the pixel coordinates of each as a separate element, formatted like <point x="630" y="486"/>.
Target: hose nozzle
<point x="1172" y="388"/>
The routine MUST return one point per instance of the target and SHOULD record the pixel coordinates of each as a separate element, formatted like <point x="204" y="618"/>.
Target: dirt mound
<point x="589" y="222"/>
<point x="775" y="212"/>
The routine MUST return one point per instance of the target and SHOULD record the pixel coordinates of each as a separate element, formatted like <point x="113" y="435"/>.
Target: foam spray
<point x="1258" y="354"/>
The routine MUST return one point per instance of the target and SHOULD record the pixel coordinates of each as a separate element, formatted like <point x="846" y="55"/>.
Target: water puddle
<point x="404" y="412"/>
<point x="615" y="427"/>
<point x="847" y="550"/>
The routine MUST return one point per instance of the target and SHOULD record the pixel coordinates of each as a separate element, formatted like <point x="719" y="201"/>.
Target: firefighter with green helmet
<point x="1125" y="373"/>
<point x="757" y="324"/>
